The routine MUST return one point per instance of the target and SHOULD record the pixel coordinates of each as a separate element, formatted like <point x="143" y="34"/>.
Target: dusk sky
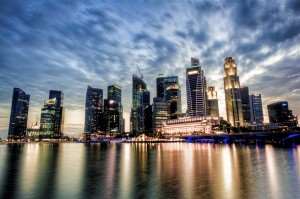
<point x="68" y="45"/>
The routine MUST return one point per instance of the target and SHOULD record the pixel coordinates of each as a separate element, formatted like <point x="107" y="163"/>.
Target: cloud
<point x="68" y="45"/>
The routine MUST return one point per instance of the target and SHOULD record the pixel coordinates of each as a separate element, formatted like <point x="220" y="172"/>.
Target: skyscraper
<point x="256" y="110"/>
<point x="59" y="111"/>
<point x="168" y="89"/>
<point x="93" y="110"/>
<point x="245" y="105"/>
<point x="160" y="89"/>
<point x="112" y="116"/>
<point x="160" y="113"/>
<point x="232" y="93"/>
<point x="19" y="114"/>
<point x="114" y="94"/>
<point x="280" y="114"/>
<point x="212" y="102"/>
<point x="139" y="100"/>
<point x="196" y="90"/>
<point x="148" y="120"/>
<point x="48" y="119"/>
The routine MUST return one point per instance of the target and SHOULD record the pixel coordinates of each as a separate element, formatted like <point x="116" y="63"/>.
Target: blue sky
<point x="69" y="44"/>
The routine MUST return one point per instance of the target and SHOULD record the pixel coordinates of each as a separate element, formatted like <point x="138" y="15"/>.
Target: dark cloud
<point x="69" y="44"/>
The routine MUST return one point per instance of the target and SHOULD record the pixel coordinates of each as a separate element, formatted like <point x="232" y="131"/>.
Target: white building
<point x="189" y="126"/>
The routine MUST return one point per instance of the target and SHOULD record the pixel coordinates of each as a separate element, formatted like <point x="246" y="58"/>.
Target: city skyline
<point x="38" y="58"/>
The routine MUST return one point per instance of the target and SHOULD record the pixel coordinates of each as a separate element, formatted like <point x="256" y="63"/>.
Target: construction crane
<point x="139" y="71"/>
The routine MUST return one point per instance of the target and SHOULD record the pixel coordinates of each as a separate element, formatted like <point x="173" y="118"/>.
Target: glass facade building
<point x="160" y="114"/>
<point x="19" y="114"/>
<point x="168" y="89"/>
<point x="112" y="116"/>
<point x="233" y="99"/>
<point x="48" y="119"/>
<point x="256" y="110"/>
<point x="93" y="110"/>
<point x="245" y="100"/>
<point x="212" y="102"/>
<point x="114" y="93"/>
<point x="140" y="99"/>
<point x="196" y="90"/>
<point x="59" y="111"/>
<point x="280" y="114"/>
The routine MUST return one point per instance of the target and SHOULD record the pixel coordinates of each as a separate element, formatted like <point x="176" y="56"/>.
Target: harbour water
<point x="160" y="170"/>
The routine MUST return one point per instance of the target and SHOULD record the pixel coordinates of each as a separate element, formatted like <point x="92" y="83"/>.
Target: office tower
<point x="212" y="102"/>
<point x="232" y="93"/>
<point x="114" y="93"/>
<point x="160" y="113"/>
<point x="172" y="95"/>
<point x="148" y="122"/>
<point x="140" y="98"/>
<point x="280" y="114"/>
<point x="160" y="89"/>
<point x="59" y="111"/>
<point x="245" y="105"/>
<point x="19" y="114"/>
<point x="256" y="110"/>
<point x="48" y="119"/>
<point x="196" y="90"/>
<point x="112" y="116"/>
<point x="93" y="110"/>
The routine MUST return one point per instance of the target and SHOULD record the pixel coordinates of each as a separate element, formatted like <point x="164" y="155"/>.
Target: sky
<point x="70" y="44"/>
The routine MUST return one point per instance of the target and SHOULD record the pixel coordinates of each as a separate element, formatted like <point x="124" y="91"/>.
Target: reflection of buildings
<point x="212" y="102"/>
<point x="280" y="114"/>
<point x="232" y="93"/>
<point x="19" y="114"/>
<point x="93" y="110"/>
<point x="11" y="179"/>
<point x="48" y="165"/>
<point x="196" y="90"/>
<point x="189" y="125"/>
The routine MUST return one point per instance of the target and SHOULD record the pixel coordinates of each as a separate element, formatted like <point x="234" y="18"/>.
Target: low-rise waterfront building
<point x="189" y="126"/>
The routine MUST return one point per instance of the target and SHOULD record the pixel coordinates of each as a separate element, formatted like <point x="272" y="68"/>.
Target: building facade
<point x="19" y="114"/>
<point x="59" y="111"/>
<point x="189" y="126"/>
<point x="280" y="114"/>
<point x="93" y="110"/>
<point x="48" y="119"/>
<point x="112" y="117"/>
<point x="245" y="100"/>
<point x="212" y="102"/>
<point x="232" y="93"/>
<point x="160" y="114"/>
<point x="114" y="94"/>
<point x="168" y="89"/>
<point x="256" y="110"/>
<point x="140" y="99"/>
<point x="196" y="90"/>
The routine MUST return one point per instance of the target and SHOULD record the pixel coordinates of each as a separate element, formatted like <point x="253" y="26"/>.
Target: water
<point x="167" y="170"/>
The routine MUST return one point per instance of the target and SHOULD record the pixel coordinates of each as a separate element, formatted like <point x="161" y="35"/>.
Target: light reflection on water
<point x="166" y="170"/>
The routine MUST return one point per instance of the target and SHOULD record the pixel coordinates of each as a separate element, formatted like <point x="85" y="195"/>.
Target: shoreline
<point x="280" y="139"/>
